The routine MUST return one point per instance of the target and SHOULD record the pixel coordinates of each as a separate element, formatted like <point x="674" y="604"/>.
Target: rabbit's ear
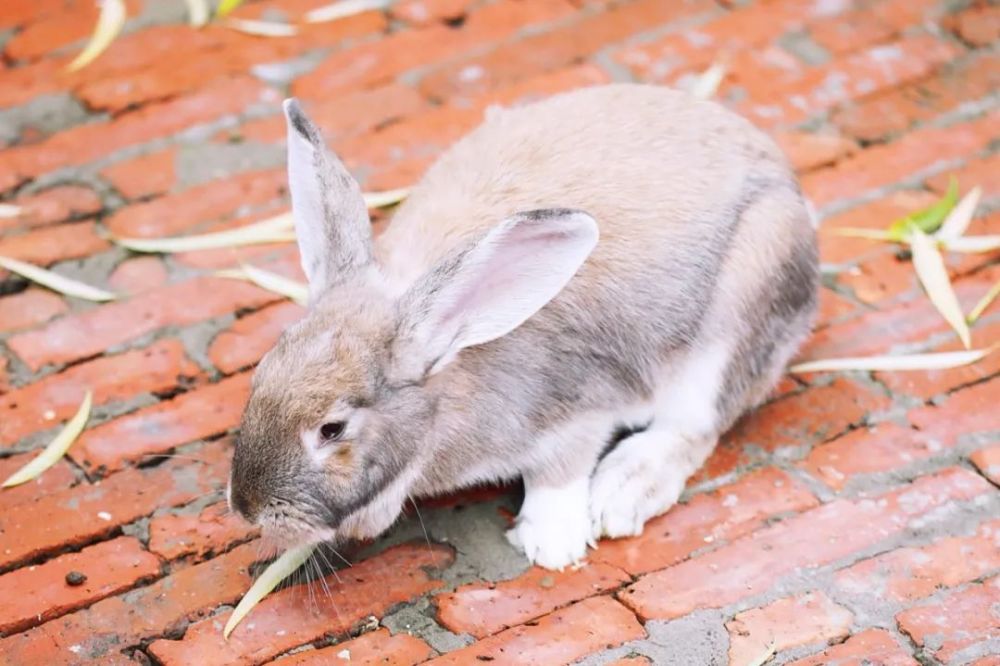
<point x="490" y="287"/>
<point x="331" y="219"/>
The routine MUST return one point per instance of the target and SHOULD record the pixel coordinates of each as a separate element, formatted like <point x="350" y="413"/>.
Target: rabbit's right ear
<point x="331" y="219"/>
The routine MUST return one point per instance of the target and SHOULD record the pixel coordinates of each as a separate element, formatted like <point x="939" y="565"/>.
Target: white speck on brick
<point x="471" y="73"/>
<point x="49" y="415"/>
<point x="730" y="500"/>
<point x="76" y="649"/>
<point x="344" y="654"/>
<point x="104" y="515"/>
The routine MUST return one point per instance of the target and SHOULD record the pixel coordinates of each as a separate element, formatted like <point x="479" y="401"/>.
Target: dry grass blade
<point x="708" y="83"/>
<point x="343" y="9"/>
<point x="109" y="24"/>
<point x="972" y="244"/>
<point x="929" y="219"/>
<point x="764" y="657"/>
<point x="277" y="229"/>
<point x="279" y="284"/>
<point x="262" y="28"/>
<point x="386" y="198"/>
<point x="871" y="234"/>
<point x="960" y="217"/>
<point x="9" y="210"/>
<point x="269" y="579"/>
<point x="197" y="12"/>
<point x="227" y="6"/>
<point x="984" y="303"/>
<point x="932" y="361"/>
<point x="934" y="276"/>
<point x="56" y="449"/>
<point x="56" y="282"/>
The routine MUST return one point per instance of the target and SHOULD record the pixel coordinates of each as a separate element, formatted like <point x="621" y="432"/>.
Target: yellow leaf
<point x="9" y="210"/>
<point x="871" y="234"/>
<point x="278" y="229"/>
<point x="56" y="449"/>
<point x="262" y="28"/>
<point x="269" y="579"/>
<point x="227" y="6"/>
<point x="932" y="361"/>
<point x="109" y="24"/>
<point x="708" y="83"/>
<point x="56" y="282"/>
<point x="972" y="244"/>
<point x="386" y="198"/>
<point x="934" y="276"/>
<point x="279" y="284"/>
<point x="764" y="657"/>
<point x="984" y="303"/>
<point x="342" y="9"/>
<point x="197" y="12"/>
<point x="929" y="219"/>
<point x="960" y="216"/>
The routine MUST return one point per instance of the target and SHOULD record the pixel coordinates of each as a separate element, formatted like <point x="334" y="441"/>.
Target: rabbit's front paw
<point x="553" y="528"/>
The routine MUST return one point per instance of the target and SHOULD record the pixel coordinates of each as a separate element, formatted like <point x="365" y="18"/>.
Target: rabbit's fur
<point x="617" y="258"/>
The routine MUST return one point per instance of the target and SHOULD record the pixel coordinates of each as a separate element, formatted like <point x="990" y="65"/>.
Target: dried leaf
<point x="708" y="83"/>
<point x="9" y="210"/>
<point x="197" y="12"/>
<point x="109" y="24"/>
<point x="56" y="449"/>
<point x="226" y="6"/>
<point x="929" y="219"/>
<point x="934" y="276"/>
<point x="765" y="657"/>
<point x="56" y="282"/>
<point x="871" y="234"/>
<point x="342" y="9"/>
<point x="279" y="284"/>
<point x="960" y="216"/>
<point x="262" y="28"/>
<point x="973" y="244"/>
<point x="932" y="361"/>
<point x="278" y="229"/>
<point x="386" y="198"/>
<point x="983" y="303"/>
<point x="278" y="571"/>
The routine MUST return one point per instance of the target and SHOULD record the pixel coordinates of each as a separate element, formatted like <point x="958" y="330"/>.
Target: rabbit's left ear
<point x="331" y="219"/>
<point x="491" y="286"/>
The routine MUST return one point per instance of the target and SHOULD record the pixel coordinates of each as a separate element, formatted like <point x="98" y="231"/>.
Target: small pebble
<point x="75" y="578"/>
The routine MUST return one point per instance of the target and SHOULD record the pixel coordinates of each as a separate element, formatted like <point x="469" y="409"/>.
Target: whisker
<point x="423" y="527"/>
<point x="342" y="558"/>
<point x="329" y="564"/>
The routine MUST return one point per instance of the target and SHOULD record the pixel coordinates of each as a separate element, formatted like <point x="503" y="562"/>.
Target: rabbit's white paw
<point x="636" y="481"/>
<point x="553" y="528"/>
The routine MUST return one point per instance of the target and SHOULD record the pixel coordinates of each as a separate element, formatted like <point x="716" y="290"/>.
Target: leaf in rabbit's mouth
<point x="270" y="578"/>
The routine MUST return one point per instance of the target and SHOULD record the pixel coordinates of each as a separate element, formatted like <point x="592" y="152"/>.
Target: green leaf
<point x="227" y="6"/>
<point x="929" y="219"/>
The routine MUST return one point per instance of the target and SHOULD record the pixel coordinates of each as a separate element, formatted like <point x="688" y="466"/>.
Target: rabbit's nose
<point x="240" y="503"/>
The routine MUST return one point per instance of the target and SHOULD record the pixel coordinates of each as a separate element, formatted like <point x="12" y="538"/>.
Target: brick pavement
<point x="853" y="519"/>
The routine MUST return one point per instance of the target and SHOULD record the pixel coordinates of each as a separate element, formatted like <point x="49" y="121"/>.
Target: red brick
<point x="906" y="574"/>
<point x="960" y="620"/>
<point x="187" y="210"/>
<point x="966" y="412"/>
<point x="981" y="171"/>
<point x="631" y="661"/>
<point x="752" y="565"/>
<point x="979" y="25"/>
<point x="882" y="165"/>
<point x="52" y="33"/>
<point x="37" y="594"/>
<point x="371" y="649"/>
<point x="250" y="337"/>
<point x="833" y="307"/>
<point x="283" y="620"/>
<point x="18" y="12"/>
<point x="282" y="258"/>
<point x="56" y="204"/>
<point x="46" y="402"/>
<point x="709" y="518"/>
<point x="423" y="12"/>
<point x="786" y="623"/>
<point x="85" y="513"/>
<point x="849" y="78"/>
<point x="341" y="116"/>
<point x="987" y="460"/>
<point x="874" y="646"/>
<point x="58" y="477"/>
<point x="109" y="626"/>
<point x="851" y="31"/>
<point x="556" y="48"/>
<point x="198" y="414"/>
<point x="560" y="638"/>
<point x="91" y="332"/>
<point x="49" y="245"/>
<point x="4" y="379"/>
<point x="214" y="530"/>
<point x="482" y="609"/>
<point x="374" y="63"/>
<point x="144" y="176"/>
<point x="134" y="276"/>
<point x="807" y="151"/>
<point x="894" y="111"/>
<point x="29" y="308"/>
<point x="815" y="415"/>
<point x="22" y="84"/>
<point x="88" y="142"/>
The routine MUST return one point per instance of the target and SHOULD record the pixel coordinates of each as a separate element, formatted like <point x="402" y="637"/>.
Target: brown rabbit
<point x="623" y="258"/>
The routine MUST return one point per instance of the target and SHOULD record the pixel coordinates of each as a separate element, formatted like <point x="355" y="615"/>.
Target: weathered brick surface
<point x="836" y="494"/>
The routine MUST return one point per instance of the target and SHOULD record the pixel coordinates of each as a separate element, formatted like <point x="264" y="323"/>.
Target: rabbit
<point x="584" y="292"/>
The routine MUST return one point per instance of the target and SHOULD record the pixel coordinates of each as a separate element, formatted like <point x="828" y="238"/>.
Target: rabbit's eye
<point x="331" y="432"/>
